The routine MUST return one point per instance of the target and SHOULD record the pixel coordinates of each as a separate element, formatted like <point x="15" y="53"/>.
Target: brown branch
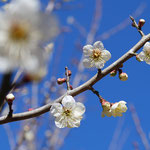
<point x="86" y="86"/>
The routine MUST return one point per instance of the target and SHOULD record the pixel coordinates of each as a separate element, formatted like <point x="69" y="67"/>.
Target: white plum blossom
<point x="110" y="109"/>
<point x="96" y="55"/>
<point x="145" y="54"/>
<point x="69" y="113"/>
<point x="118" y="108"/>
<point x="24" y="29"/>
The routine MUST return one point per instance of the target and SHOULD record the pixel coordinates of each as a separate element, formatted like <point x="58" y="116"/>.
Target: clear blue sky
<point x="96" y="132"/>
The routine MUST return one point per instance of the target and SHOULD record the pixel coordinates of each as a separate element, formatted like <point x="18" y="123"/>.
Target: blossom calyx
<point x="123" y="76"/>
<point x="113" y="73"/>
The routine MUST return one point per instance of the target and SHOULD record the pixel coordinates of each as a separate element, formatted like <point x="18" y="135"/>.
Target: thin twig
<point x="67" y="78"/>
<point x="134" y="24"/>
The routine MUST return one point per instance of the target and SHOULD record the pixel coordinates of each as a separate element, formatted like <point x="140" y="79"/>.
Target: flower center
<point x="96" y="53"/>
<point x="18" y="32"/>
<point x="67" y="112"/>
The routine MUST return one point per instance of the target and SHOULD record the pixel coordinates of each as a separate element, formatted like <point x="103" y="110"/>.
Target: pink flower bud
<point x="61" y="80"/>
<point x="30" y="109"/>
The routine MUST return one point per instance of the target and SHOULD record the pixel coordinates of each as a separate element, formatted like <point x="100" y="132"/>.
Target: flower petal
<point x="146" y="47"/>
<point x="56" y="109"/>
<point x="122" y="102"/>
<point x="141" y="56"/>
<point x="99" y="65"/>
<point x="147" y="61"/>
<point x="106" y="55"/>
<point x="73" y="122"/>
<point x="87" y="50"/>
<point x="114" y="106"/>
<point x="99" y="45"/>
<point x="61" y="121"/>
<point x="78" y="110"/>
<point x="87" y="63"/>
<point x="68" y="102"/>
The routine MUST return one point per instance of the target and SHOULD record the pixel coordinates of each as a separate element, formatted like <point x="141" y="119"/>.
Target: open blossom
<point x="118" y="108"/>
<point x="24" y="29"/>
<point x="96" y="55"/>
<point x="110" y="109"/>
<point x="145" y="54"/>
<point x="69" y="113"/>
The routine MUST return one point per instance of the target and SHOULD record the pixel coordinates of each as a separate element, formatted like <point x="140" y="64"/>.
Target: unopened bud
<point x="69" y="73"/>
<point x="113" y="73"/>
<point x="71" y="88"/>
<point x="123" y="76"/>
<point x="61" y="80"/>
<point x="30" y="109"/>
<point x="133" y="24"/>
<point x="141" y="23"/>
<point x="10" y="97"/>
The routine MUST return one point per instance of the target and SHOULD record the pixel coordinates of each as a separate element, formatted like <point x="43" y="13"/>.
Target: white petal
<point x="87" y="50"/>
<point x="87" y="63"/>
<point x="61" y="122"/>
<point x="56" y="109"/>
<point x="106" y="55"/>
<point x="99" y="45"/>
<point x="147" y="61"/>
<point x="6" y="65"/>
<point x="78" y="110"/>
<point x="122" y="102"/>
<point x="114" y="106"/>
<point x="99" y="65"/>
<point x="146" y="47"/>
<point x="20" y="5"/>
<point x="142" y="56"/>
<point x="73" y="122"/>
<point x="68" y="102"/>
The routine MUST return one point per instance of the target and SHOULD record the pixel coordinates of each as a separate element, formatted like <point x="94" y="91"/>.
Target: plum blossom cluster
<point x="110" y="109"/>
<point x="24" y="29"/>
<point x="145" y="54"/>
<point x="69" y="113"/>
<point x="96" y="55"/>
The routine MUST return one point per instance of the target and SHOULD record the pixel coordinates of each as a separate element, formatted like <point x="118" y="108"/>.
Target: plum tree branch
<point x="84" y="87"/>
